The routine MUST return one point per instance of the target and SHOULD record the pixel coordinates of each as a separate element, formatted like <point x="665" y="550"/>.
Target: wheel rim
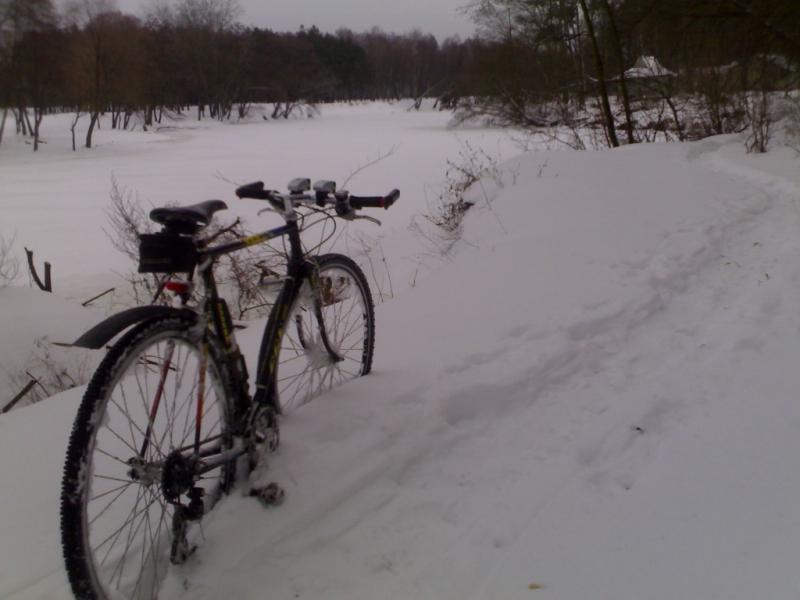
<point x="127" y="520"/>
<point x="305" y="367"/>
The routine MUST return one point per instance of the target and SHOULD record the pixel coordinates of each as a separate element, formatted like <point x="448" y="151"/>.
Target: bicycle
<point x="168" y="421"/>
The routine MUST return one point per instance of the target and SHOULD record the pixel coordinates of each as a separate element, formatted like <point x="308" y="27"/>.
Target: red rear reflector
<point x="178" y="287"/>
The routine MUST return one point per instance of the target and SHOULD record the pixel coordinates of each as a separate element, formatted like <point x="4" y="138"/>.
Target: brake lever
<point x="368" y="218"/>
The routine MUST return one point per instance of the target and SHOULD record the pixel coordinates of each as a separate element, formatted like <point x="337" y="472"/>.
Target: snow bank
<point x="30" y="319"/>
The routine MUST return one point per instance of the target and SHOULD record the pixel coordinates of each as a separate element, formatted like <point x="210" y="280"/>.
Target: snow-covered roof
<point x="646" y="67"/>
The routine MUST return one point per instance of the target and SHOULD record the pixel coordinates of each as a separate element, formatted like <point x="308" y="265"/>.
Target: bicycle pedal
<point x="270" y="495"/>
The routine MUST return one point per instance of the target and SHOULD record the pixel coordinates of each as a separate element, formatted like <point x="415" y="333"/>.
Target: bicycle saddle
<point x="187" y="219"/>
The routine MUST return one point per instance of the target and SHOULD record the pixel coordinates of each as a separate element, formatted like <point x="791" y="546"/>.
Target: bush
<point x="451" y="206"/>
<point x="760" y="121"/>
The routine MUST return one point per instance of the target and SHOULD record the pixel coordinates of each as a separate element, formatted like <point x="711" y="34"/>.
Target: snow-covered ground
<point x="593" y="396"/>
<point x="56" y="202"/>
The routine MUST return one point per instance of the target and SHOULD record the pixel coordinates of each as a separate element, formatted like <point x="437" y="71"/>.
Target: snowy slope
<point x="31" y="317"/>
<point x="594" y="396"/>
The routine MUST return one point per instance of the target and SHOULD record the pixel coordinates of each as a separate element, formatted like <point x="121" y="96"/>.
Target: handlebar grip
<point x="375" y="201"/>
<point x="253" y="190"/>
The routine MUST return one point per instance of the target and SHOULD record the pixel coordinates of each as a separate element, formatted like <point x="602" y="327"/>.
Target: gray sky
<point x="439" y="17"/>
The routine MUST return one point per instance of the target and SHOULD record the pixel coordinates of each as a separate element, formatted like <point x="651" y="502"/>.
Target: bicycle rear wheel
<point x="132" y="492"/>
<point x="339" y="306"/>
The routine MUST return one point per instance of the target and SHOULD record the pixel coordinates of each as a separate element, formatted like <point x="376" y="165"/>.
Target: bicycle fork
<point x="322" y="290"/>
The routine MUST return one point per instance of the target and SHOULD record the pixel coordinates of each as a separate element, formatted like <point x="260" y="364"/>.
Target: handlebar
<point x="375" y="201"/>
<point x="342" y="200"/>
<point x="253" y="190"/>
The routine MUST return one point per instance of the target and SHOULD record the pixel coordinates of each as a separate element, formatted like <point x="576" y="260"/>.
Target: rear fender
<point x="99" y="335"/>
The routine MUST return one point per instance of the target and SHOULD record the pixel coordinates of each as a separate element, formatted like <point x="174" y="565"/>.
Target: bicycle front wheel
<point x="328" y="337"/>
<point x="133" y="488"/>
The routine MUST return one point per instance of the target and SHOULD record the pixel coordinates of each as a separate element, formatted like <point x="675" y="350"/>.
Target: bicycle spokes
<point x="328" y="338"/>
<point x="164" y="417"/>
<point x="157" y="400"/>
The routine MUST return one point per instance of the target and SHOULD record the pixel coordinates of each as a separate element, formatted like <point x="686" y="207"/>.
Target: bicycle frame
<point x="299" y="270"/>
<point x="215" y="314"/>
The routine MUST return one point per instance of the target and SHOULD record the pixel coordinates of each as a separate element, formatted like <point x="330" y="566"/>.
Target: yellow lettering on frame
<point x="253" y="240"/>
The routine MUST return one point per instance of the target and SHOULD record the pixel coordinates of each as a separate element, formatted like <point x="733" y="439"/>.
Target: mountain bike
<point x="168" y="419"/>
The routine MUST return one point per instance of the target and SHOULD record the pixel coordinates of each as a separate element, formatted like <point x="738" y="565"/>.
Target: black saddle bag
<point x="166" y="253"/>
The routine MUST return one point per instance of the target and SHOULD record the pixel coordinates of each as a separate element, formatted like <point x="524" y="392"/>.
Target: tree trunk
<point x="581" y="64"/>
<point x="38" y="115"/>
<point x="72" y="129"/>
<point x="90" y="131"/>
<point x="678" y="125"/>
<point x="16" y="121"/>
<point x="23" y="122"/>
<point x="3" y="123"/>
<point x="47" y="285"/>
<point x="601" y="76"/>
<point x="27" y="118"/>
<point x="617" y="43"/>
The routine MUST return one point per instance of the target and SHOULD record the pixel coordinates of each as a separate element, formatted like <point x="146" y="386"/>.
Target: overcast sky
<point x="439" y="17"/>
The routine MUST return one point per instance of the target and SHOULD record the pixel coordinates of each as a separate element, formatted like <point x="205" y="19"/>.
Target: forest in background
<point x="682" y="69"/>
<point x="94" y="60"/>
<point x="627" y="70"/>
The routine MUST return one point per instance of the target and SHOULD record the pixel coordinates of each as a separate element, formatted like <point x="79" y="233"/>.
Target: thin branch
<point x="371" y="163"/>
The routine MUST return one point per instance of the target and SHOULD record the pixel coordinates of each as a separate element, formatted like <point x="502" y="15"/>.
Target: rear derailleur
<point x="178" y="479"/>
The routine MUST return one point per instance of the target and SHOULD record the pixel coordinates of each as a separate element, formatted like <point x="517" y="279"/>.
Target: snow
<point x="30" y="316"/>
<point x="647" y="66"/>
<point x="592" y="395"/>
<point x="53" y="199"/>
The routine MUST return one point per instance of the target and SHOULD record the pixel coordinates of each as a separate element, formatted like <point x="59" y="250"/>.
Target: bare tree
<point x="616" y="44"/>
<point x="214" y="15"/>
<point x="599" y="64"/>
<point x="22" y="71"/>
<point x="40" y="60"/>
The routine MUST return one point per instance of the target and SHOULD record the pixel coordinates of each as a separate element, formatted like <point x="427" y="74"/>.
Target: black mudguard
<point x="99" y="335"/>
